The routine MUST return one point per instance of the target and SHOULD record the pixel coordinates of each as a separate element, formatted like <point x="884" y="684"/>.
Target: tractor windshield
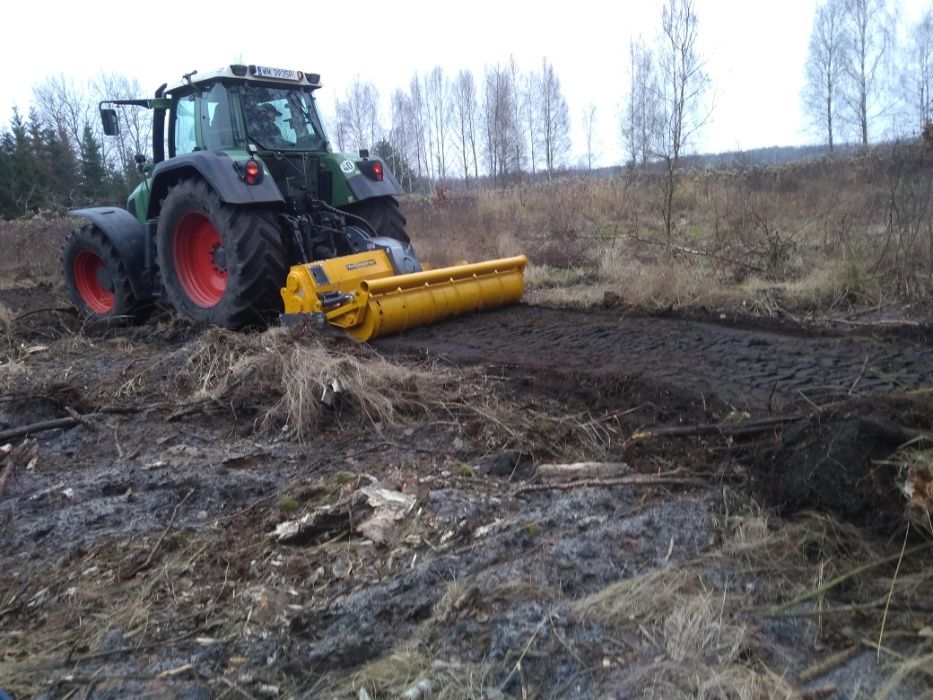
<point x="280" y="119"/>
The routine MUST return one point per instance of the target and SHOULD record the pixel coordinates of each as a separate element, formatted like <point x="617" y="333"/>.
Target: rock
<point x="113" y="640"/>
<point x="504" y="463"/>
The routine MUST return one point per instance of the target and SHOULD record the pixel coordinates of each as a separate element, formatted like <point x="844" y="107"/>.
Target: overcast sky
<point x="755" y="49"/>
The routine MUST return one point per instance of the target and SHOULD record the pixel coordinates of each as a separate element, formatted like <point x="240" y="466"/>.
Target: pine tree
<point x="60" y="168"/>
<point x="7" y="197"/>
<point x="25" y="178"/>
<point x="94" y="178"/>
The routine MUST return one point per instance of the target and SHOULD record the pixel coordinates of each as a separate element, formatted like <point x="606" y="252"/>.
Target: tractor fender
<point x="351" y="185"/>
<point x="361" y="187"/>
<point x="128" y="238"/>
<point x="219" y="170"/>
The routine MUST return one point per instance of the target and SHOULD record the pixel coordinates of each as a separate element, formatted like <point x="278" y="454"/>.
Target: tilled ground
<point x="140" y="556"/>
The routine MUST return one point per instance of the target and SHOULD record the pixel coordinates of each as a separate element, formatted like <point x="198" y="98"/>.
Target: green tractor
<point x="246" y="213"/>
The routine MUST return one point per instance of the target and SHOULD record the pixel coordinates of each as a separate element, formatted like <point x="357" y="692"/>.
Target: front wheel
<point x="97" y="280"/>
<point x="221" y="265"/>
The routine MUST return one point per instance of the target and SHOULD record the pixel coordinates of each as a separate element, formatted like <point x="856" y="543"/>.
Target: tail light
<point x="252" y="172"/>
<point x="373" y="169"/>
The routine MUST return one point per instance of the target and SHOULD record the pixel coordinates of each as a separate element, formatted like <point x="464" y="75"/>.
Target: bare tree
<point x="516" y="135"/>
<point x="60" y="102"/>
<point x="554" y="118"/>
<point x="464" y="117"/>
<point x="589" y="134"/>
<point x="917" y="78"/>
<point x="642" y="116"/>
<point x="826" y="62"/>
<point x="135" y="134"/>
<point x="419" y="128"/>
<point x="683" y="82"/>
<point x="401" y="135"/>
<point x="531" y="114"/>
<point x="868" y="31"/>
<point x="358" y="116"/>
<point x="437" y="94"/>
<point x="500" y="123"/>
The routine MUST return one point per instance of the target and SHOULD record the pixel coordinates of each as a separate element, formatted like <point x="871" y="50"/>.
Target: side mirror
<point x="140" y="161"/>
<point x="108" y="118"/>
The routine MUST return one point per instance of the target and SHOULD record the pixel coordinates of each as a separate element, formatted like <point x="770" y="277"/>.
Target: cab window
<point x="217" y="126"/>
<point x="185" y="138"/>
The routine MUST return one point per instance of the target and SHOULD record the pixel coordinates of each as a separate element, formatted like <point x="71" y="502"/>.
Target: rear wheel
<point x="97" y="280"/>
<point x="384" y="215"/>
<point x="221" y="265"/>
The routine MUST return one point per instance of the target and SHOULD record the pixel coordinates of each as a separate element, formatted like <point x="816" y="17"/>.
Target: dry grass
<point x="837" y="235"/>
<point x="287" y="375"/>
<point x="702" y="633"/>
<point x="409" y="673"/>
<point x="32" y="248"/>
<point x="282" y="374"/>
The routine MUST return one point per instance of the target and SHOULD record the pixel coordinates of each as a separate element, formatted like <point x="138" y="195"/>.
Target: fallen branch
<point x="581" y="470"/>
<point x="41" y="310"/>
<point x="734" y="430"/>
<point x="39" y="427"/>
<point x="7" y="473"/>
<point x="75" y="418"/>
<point x="630" y="480"/>
<point x="171" y="523"/>
<point x="842" y="578"/>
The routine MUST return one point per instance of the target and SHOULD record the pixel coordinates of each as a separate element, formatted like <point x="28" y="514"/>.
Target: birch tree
<point x="825" y="68"/>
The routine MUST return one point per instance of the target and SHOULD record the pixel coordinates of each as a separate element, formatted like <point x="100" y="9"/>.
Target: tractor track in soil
<point x="752" y="366"/>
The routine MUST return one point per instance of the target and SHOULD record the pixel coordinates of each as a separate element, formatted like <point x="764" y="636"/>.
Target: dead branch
<point x="7" y="472"/>
<point x="62" y="309"/>
<point x="171" y="523"/>
<point x="39" y="427"/>
<point x="630" y="480"/>
<point x="75" y="418"/>
<point x="694" y="251"/>
<point x="735" y="430"/>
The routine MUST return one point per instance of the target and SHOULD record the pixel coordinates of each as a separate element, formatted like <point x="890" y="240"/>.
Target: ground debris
<point x="370" y="511"/>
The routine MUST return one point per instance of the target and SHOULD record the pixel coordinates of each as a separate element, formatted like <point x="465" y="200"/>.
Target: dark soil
<point x="137" y="556"/>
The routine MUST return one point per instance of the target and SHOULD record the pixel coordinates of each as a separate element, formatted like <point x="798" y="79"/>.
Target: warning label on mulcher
<point x="361" y="263"/>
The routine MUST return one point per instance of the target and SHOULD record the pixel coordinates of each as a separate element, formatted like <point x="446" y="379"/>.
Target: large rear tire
<point x="97" y="281"/>
<point x="221" y="265"/>
<point x="384" y="215"/>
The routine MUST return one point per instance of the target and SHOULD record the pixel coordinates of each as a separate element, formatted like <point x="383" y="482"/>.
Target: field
<point x="696" y="467"/>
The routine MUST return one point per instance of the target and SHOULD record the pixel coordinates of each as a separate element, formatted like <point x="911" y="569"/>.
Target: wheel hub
<point x="104" y="280"/>
<point x="220" y="258"/>
<point x="200" y="260"/>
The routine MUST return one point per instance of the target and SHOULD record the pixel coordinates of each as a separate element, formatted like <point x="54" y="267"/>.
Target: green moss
<point x="533" y="530"/>
<point x="176" y="540"/>
<point x="288" y="505"/>
<point x="465" y="470"/>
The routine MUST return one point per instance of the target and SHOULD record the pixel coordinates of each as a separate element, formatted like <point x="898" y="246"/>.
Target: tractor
<point x="245" y="213"/>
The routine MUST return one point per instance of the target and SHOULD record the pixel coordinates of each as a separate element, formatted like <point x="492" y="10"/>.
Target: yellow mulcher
<point x="243" y="195"/>
<point x="362" y="294"/>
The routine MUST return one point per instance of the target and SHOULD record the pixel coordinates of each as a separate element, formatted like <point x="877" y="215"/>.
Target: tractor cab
<point x="249" y="107"/>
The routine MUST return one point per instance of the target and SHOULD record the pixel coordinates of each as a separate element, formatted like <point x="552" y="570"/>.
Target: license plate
<point x="280" y="73"/>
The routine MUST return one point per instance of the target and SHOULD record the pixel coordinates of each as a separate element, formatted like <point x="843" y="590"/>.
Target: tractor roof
<point x="252" y="74"/>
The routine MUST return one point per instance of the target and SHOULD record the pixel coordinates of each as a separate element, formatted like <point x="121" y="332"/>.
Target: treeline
<point x="509" y="122"/>
<point x="42" y="169"/>
<point x="56" y="158"/>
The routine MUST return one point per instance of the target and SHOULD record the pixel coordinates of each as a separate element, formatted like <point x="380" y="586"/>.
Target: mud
<point x="748" y="366"/>
<point x="136" y="556"/>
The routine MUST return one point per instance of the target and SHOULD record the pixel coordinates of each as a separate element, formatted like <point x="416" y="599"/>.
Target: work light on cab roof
<point x="245" y="212"/>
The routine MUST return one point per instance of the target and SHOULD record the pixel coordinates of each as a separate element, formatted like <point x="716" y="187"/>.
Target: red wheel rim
<point x="88" y="271"/>
<point x="200" y="260"/>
